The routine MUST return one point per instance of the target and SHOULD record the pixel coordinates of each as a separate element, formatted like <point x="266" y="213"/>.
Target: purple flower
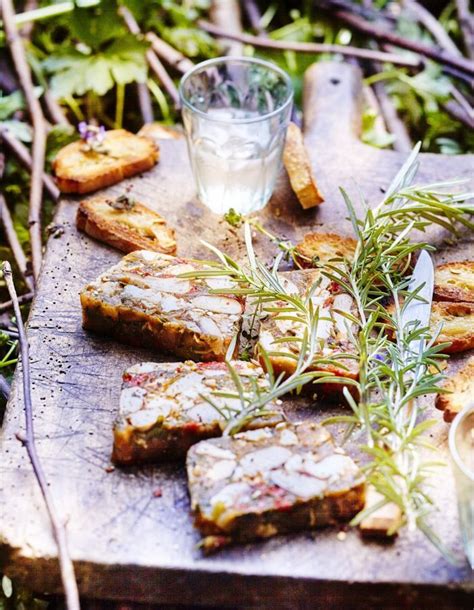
<point x="93" y="136"/>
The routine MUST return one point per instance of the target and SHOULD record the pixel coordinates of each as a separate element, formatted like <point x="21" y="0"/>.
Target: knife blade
<point x="417" y="312"/>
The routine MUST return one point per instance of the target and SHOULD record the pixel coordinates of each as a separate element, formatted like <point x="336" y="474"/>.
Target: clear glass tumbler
<point x="235" y="113"/>
<point x="461" y="447"/>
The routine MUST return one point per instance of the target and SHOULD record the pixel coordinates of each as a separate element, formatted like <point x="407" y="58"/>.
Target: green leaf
<point x="21" y="131"/>
<point x="97" y="25"/>
<point x="7" y="586"/>
<point x="10" y="104"/>
<point x="76" y="73"/>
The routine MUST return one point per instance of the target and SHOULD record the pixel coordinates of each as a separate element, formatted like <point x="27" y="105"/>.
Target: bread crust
<point x="298" y="166"/>
<point x="80" y="171"/>
<point x="137" y="228"/>
<point x="461" y="391"/>
<point x="458" y="325"/>
<point x="323" y="247"/>
<point x="455" y="282"/>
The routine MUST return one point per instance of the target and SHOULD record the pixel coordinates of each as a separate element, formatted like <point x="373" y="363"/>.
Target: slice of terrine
<point x="143" y="301"/>
<point x="271" y="481"/>
<point x="336" y="351"/>
<point x="163" y="408"/>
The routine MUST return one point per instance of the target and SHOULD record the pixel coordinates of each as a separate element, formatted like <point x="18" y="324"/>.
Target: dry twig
<point x="153" y="61"/>
<point x="4" y="387"/>
<point x="433" y="26"/>
<point x="22" y="300"/>
<point x="23" y="155"/>
<point x="374" y="31"/>
<point x="169" y="54"/>
<point x="466" y="23"/>
<point x="14" y="243"/>
<point x="254" y="16"/>
<point x="28" y="440"/>
<point x="144" y="101"/>
<point x="226" y="14"/>
<point x="310" y="47"/>
<point x="39" y="133"/>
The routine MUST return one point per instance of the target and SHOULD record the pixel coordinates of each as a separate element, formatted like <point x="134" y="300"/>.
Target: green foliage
<point x="18" y="598"/>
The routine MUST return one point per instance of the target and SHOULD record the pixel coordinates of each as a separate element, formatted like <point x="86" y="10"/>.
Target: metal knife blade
<point x="417" y="312"/>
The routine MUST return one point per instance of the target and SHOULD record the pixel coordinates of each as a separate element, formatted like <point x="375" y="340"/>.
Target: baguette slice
<point x="455" y="282"/>
<point x="298" y="166"/>
<point x="458" y="325"/>
<point x="79" y="170"/>
<point x="163" y="410"/>
<point x="144" y="301"/>
<point x="319" y="248"/>
<point x="333" y="329"/>
<point x="156" y="131"/>
<point x="261" y="483"/>
<point x="461" y="388"/>
<point x="125" y="224"/>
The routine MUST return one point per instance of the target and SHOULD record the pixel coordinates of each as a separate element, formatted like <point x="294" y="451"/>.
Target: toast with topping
<point x="298" y="167"/>
<point x="125" y="224"/>
<point x="144" y="301"/>
<point x="455" y="282"/>
<point x="461" y="391"/>
<point x="79" y="169"/>
<point x="333" y="329"/>
<point x="271" y="481"/>
<point x="319" y="248"/>
<point x="458" y="325"/>
<point x="163" y="408"/>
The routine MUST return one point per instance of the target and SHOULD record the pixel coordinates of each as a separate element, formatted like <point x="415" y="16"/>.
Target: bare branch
<point x="144" y="101"/>
<point x="14" y="243"/>
<point x="466" y="22"/>
<point x="65" y="563"/>
<point x="254" y="16"/>
<point x="39" y="133"/>
<point x="153" y="61"/>
<point x="169" y="54"/>
<point x="433" y="26"/>
<point x="22" y="300"/>
<point x="55" y="111"/>
<point x="226" y="14"/>
<point x="374" y="31"/>
<point x="310" y="47"/>
<point x="23" y="155"/>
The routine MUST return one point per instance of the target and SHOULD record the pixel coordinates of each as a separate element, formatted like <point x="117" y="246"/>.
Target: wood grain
<point x="126" y="542"/>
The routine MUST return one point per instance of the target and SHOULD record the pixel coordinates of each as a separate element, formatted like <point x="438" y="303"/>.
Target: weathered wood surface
<point x="129" y="544"/>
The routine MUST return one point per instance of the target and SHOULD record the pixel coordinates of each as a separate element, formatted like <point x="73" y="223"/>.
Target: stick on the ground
<point x="4" y="387"/>
<point x="254" y="16"/>
<point x="372" y="30"/>
<point x="466" y="23"/>
<point x="13" y="242"/>
<point x="169" y="54"/>
<point x="458" y="113"/>
<point x="144" y="101"/>
<point x="155" y="64"/>
<point x="226" y="14"/>
<point x="310" y="47"/>
<point x="55" y="111"/>
<point x="17" y="50"/>
<point x="23" y="155"/>
<point x="22" y="300"/>
<point x="65" y="563"/>
<point x="433" y="26"/>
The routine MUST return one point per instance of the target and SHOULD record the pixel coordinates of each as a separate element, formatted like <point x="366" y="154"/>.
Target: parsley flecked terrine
<point x="271" y="481"/>
<point x="163" y="410"/>
<point x="143" y="301"/>
<point x="333" y="330"/>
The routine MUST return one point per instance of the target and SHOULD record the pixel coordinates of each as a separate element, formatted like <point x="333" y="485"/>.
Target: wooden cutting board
<point x="129" y="542"/>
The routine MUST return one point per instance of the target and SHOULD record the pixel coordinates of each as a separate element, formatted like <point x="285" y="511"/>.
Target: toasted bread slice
<point x="298" y="166"/>
<point x="319" y="248"/>
<point x="80" y="170"/>
<point x="458" y="325"/>
<point x="455" y="282"/>
<point x="125" y="224"/>
<point x="155" y="131"/>
<point x="461" y="388"/>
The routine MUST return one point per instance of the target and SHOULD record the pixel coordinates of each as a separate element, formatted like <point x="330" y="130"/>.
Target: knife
<point x="416" y="314"/>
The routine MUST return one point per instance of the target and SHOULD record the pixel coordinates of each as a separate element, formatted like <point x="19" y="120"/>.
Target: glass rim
<point x="230" y="59"/>
<point x="460" y="417"/>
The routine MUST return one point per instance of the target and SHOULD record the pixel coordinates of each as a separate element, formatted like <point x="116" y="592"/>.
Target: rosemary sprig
<point x="391" y="377"/>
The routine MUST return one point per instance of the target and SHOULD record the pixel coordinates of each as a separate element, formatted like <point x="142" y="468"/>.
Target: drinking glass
<point x="461" y="446"/>
<point x="235" y="113"/>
